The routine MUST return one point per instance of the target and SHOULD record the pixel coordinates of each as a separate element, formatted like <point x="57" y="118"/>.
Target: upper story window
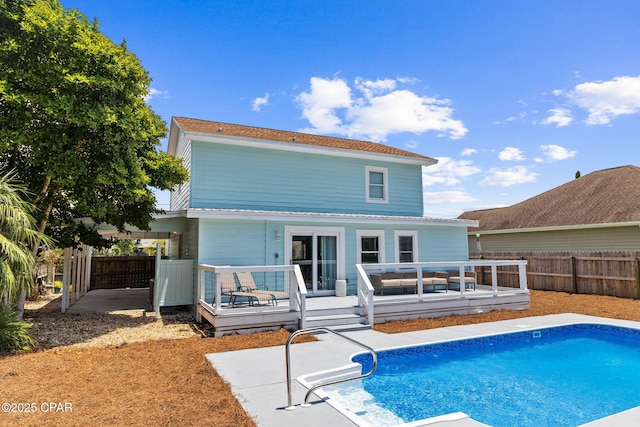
<point x="377" y="184"/>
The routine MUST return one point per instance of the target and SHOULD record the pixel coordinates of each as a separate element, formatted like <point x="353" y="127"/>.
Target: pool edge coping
<point x="267" y="414"/>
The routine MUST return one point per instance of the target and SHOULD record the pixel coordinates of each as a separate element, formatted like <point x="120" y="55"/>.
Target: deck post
<point x="293" y="289"/>
<point x="360" y="287"/>
<point x="494" y="279"/>
<point x="218" y="291"/>
<point x="201" y="288"/>
<point x="419" y="283"/>
<point x="370" y="308"/>
<point x="300" y="295"/>
<point x="522" y="270"/>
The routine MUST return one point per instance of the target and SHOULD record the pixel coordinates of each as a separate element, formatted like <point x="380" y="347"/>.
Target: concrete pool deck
<point x="258" y="376"/>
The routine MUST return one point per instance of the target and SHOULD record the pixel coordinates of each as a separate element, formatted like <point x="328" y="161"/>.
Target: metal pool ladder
<point x="317" y="386"/>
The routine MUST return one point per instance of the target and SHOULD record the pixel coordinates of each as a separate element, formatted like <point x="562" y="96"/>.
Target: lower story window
<point x="406" y="246"/>
<point x="370" y="246"/>
<point x="370" y="250"/>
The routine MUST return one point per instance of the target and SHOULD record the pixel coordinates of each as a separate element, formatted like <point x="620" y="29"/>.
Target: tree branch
<point x="43" y="191"/>
<point x="42" y="224"/>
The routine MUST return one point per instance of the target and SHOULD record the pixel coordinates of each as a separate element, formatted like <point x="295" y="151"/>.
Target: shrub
<point x="14" y="335"/>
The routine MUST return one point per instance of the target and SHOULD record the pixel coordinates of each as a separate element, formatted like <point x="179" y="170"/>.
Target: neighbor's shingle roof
<point x="203" y="126"/>
<point x="601" y="197"/>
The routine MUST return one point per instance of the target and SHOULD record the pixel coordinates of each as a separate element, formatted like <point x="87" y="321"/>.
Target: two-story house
<point x="269" y="218"/>
<point x="260" y="196"/>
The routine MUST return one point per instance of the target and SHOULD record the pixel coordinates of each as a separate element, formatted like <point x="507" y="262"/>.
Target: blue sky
<point x="512" y="97"/>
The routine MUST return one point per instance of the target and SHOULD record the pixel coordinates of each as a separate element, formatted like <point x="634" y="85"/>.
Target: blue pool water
<point x="561" y="376"/>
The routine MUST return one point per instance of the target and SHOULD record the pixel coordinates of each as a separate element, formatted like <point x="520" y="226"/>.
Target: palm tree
<point x="18" y="234"/>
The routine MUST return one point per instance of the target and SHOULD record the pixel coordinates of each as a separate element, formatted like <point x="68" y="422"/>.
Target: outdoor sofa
<point x="436" y="280"/>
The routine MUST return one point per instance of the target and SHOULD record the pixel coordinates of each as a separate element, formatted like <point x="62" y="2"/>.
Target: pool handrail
<point x="317" y="386"/>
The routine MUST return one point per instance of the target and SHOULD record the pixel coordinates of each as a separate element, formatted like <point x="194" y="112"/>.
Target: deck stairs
<point x="337" y="318"/>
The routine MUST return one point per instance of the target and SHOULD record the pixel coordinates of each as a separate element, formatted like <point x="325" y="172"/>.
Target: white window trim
<point x="385" y="183"/>
<point x="370" y="233"/>
<point x="338" y="232"/>
<point x="396" y="237"/>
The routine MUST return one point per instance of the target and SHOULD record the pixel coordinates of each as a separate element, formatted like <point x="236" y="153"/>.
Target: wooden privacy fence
<point x="122" y="272"/>
<point x="599" y="273"/>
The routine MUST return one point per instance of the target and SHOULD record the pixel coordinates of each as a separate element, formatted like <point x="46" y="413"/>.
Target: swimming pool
<point x="559" y="376"/>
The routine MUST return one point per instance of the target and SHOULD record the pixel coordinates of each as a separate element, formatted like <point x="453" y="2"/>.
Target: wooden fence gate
<point x="122" y="272"/>
<point x="75" y="276"/>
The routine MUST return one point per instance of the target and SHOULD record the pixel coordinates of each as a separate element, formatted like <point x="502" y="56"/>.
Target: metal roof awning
<point x="162" y="227"/>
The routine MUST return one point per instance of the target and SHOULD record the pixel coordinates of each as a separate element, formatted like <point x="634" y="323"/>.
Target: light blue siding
<point x="443" y="244"/>
<point x="238" y="177"/>
<point x="180" y="194"/>
<point x="232" y="242"/>
<point x="249" y="242"/>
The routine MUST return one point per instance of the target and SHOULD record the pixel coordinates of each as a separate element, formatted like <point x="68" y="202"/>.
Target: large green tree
<point x="74" y="122"/>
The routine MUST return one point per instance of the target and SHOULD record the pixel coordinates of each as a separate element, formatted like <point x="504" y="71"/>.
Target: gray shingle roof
<point x="601" y="197"/>
<point x="228" y="129"/>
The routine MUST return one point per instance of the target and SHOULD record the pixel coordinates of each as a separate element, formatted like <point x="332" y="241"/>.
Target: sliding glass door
<point x="316" y="251"/>
<point x="326" y="263"/>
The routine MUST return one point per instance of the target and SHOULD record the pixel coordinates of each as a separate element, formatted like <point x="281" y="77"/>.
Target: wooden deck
<point x="344" y="312"/>
<point x="440" y="304"/>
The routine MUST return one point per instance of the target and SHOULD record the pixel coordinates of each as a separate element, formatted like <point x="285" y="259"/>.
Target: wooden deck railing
<point x="615" y="273"/>
<point x="286" y="278"/>
<point x="366" y="290"/>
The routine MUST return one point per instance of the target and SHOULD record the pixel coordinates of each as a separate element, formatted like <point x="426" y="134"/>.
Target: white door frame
<point x="313" y="231"/>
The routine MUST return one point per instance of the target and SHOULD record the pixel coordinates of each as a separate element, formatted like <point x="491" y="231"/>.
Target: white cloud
<point x="372" y="88"/>
<point x="412" y="144"/>
<point x="559" y="116"/>
<point x="556" y="152"/>
<point x="446" y="204"/>
<point x="508" y="177"/>
<point x="448" y="197"/>
<point x="155" y="93"/>
<point x="520" y="116"/>
<point x="408" y="80"/>
<point x="511" y="154"/>
<point x="260" y="102"/>
<point x="448" y="171"/>
<point x="604" y="101"/>
<point x="468" y="152"/>
<point x="319" y="105"/>
<point x="374" y="109"/>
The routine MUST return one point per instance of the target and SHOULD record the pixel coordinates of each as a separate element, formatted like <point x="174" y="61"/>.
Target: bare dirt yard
<point x="127" y="369"/>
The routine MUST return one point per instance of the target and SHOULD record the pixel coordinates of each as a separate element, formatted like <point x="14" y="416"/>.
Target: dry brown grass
<point x="169" y="381"/>
<point x="542" y="303"/>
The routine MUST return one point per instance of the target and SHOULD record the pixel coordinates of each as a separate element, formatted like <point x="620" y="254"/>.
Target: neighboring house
<point x="596" y="212"/>
<point x="268" y="197"/>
